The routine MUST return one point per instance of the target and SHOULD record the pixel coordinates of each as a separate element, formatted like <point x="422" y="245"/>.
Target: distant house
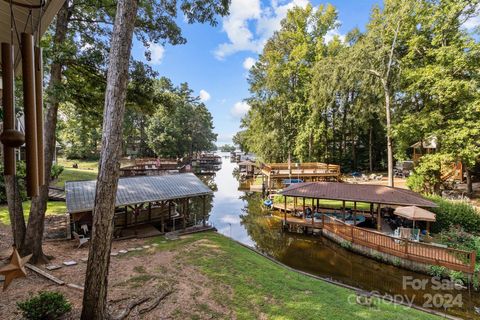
<point x="452" y="171"/>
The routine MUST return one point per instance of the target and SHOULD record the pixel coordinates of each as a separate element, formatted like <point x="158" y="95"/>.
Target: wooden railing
<point x="454" y="259"/>
<point x="317" y="167"/>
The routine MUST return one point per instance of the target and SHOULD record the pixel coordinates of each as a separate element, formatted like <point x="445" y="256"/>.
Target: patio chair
<point x="80" y="238"/>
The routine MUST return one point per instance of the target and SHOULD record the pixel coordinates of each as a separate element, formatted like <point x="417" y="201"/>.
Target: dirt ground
<point x="134" y="275"/>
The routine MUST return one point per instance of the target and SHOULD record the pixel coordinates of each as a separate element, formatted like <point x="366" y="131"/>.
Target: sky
<point x="215" y="60"/>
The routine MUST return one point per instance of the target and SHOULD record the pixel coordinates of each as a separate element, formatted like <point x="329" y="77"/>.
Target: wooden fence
<point x="454" y="259"/>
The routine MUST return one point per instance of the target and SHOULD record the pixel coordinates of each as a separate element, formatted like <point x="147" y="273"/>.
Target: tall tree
<point x="96" y="279"/>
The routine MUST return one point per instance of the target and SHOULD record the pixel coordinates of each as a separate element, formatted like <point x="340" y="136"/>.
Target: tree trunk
<point x="96" y="280"/>
<point x="35" y="227"/>
<point x="15" y="211"/>
<point x="468" y="175"/>
<point x="389" y="138"/>
<point x="370" y="148"/>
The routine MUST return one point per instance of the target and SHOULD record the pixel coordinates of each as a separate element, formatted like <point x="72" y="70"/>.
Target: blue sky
<point x="215" y="60"/>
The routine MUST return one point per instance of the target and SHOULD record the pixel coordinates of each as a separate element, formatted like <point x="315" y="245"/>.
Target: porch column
<point x="204" y="211"/>
<point x="343" y="210"/>
<point x="162" y="213"/>
<point x="184" y="212"/>
<point x="303" y="205"/>
<point x="379" y="218"/>
<point x="355" y="213"/>
<point x="285" y="209"/>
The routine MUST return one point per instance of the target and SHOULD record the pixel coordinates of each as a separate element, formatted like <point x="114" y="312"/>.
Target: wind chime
<point x="11" y="137"/>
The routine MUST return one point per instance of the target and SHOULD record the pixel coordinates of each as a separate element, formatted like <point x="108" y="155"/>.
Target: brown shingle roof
<point x="357" y="192"/>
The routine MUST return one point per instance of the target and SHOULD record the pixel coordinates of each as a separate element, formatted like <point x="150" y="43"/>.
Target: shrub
<point x="437" y="271"/>
<point x="451" y="213"/>
<point x="415" y="182"/>
<point x="56" y="171"/>
<point x="45" y="306"/>
<point x="456" y="237"/>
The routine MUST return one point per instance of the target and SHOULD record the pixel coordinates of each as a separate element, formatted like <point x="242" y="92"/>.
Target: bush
<point x="437" y="271"/>
<point x="455" y="213"/>
<point x="45" y="306"/>
<point x="458" y="238"/>
<point x="416" y="183"/>
<point x="56" y="171"/>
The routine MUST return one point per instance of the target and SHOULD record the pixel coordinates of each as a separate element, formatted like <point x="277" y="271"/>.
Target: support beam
<point x="162" y="214"/>
<point x="379" y="217"/>
<point x="204" y="210"/>
<point x="285" y="210"/>
<point x="355" y="213"/>
<point x="343" y="210"/>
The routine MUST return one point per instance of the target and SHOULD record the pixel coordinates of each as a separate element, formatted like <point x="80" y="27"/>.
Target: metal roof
<point x="80" y="195"/>
<point x="24" y="21"/>
<point x="357" y="192"/>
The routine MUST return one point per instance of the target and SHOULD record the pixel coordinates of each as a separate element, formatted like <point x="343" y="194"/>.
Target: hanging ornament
<point x="15" y="269"/>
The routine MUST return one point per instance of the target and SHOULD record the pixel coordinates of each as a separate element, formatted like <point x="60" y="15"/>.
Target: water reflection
<point x="239" y="215"/>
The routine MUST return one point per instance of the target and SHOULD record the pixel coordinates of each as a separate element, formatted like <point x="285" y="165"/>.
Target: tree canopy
<point x="411" y="74"/>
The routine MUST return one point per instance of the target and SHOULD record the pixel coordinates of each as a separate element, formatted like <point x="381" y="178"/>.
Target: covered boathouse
<point x="368" y="231"/>
<point x="154" y="204"/>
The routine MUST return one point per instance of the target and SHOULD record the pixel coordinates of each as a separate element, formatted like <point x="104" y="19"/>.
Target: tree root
<point x="132" y="305"/>
<point x="156" y="302"/>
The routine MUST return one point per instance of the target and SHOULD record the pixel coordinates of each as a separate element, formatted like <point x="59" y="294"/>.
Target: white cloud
<point x="244" y="13"/>
<point x="239" y="109"/>
<point x="472" y="22"/>
<point x="332" y="33"/>
<point x="204" y="96"/>
<point x="248" y="63"/>
<point x="157" y="52"/>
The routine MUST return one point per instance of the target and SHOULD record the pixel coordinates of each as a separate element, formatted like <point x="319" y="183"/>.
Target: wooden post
<point x="473" y="257"/>
<point x="162" y="213"/>
<point x="126" y="216"/>
<point x="149" y="211"/>
<point x="343" y="210"/>
<point x="204" y="211"/>
<point x="313" y="213"/>
<point x="188" y="209"/>
<point x="169" y="210"/>
<point x="29" y="98"/>
<point x="184" y="210"/>
<point x="323" y="219"/>
<point x="285" y="210"/>
<point x="355" y="213"/>
<point x="371" y="209"/>
<point x="379" y="218"/>
<point x="295" y="205"/>
<point x="303" y="205"/>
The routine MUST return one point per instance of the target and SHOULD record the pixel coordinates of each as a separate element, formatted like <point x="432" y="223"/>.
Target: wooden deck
<point x="310" y="170"/>
<point x="454" y="259"/>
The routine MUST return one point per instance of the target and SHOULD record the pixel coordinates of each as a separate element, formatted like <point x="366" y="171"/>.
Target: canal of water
<point x="239" y="215"/>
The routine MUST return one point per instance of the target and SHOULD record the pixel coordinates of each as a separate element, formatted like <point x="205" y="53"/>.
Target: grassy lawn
<point x="53" y="207"/>
<point x="87" y="170"/>
<point x="261" y="289"/>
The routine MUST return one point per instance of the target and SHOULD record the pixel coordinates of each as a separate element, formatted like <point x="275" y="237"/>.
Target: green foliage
<point x="22" y="187"/>
<point x="455" y="213"/>
<point x="416" y="182"/>
<point x="437" y="271"/>
<point x="45" y="306"/>
<point x="56" y="171"/>
<point x="427" y="176"/>
<point x="227" y="148"/>
<point x="457" y="237"/>
<point x="325" y="101"/>
<point x="181" y="125"/>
